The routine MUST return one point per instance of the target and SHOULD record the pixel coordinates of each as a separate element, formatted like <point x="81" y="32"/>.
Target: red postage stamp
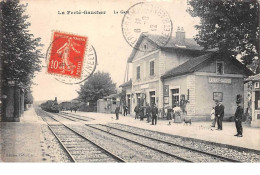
<point x="67" y="54"/>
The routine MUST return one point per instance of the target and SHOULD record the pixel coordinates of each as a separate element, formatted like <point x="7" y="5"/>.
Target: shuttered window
<point x="151" y="68"/>
<point x="220" y="67"/>
<point x="138" y="72"/>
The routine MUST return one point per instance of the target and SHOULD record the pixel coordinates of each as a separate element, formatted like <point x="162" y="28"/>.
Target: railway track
<point x="147" y="154"/>
<point x="76" y="116"/>
<point x="78" y="147"/>
<point x="182" y="153"/>
<point x="214" y="156"/>
<point x="150" y="140"/>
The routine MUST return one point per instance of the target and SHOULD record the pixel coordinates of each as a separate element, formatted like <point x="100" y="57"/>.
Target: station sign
<point x="219" y="80"/>
<point x="166" y="90"/>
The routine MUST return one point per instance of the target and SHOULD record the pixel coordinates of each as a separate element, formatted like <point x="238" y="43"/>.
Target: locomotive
<point x="50" y="106"/>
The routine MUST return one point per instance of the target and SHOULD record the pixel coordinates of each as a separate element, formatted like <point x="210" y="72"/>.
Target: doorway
<point x="257" y="99"/>
<point x="128" y="103"/>
<point x="152" y="97"/>
<point x="175" y="97"/>
<point x="138" y="98"/>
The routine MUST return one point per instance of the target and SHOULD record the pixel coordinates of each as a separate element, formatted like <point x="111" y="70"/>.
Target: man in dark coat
<point x="117" y="112"/>
<point x="141" y="113"/>
<point x="219" y="113"/>
<point x="148" y="112"/>
<point x="136" y="111"/>
<point x="238" y="119"/>
<point x="154" y="114"/>
<point x="125" y="110"/>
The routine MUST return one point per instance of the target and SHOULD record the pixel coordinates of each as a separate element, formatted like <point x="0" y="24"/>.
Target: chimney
<point x="180" y="36"/>
<point x="55" y="99"/>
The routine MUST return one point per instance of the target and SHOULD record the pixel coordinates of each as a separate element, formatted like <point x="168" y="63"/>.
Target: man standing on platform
<point x="125" y="110"/>
<point x="141" y="112"/>
<point x="238" y="119"/>
<point x="219" y="113"/>
<point x="136" y="111"/>
<point x="154" y="114"/>
<point x="117" y="112"/>
<point x="148" y="112"/>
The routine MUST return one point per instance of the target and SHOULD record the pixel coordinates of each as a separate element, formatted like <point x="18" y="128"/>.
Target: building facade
<point x="108" y="104"/>
<point x="254" y="99"/>
<point x="182" y="72"/>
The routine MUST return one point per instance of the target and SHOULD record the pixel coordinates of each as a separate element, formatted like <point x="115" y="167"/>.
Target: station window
<point x="152" y="97"/>
<point x="175" y="97"/>
<point x="138" y="97"/>
<point x="138" y="72"/>
<point x="151" y="68"/>
<point x="220" y="67"/>
<point x="145" y="46"/>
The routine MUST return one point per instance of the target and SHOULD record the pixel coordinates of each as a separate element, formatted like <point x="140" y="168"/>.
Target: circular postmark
<point x="70" y="58"/>
<point x="149" y="20"/>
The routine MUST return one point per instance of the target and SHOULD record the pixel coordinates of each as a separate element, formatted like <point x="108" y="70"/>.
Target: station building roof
<point x="128" y="83"/>
<point x="173" y="43"/>
<point x="196" y="63"/>
<point x="253" y="78"/>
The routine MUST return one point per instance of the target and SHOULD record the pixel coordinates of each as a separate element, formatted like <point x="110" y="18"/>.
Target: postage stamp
<point x="70" y="58"/>
<point x="147" y="19"/>
<point x="67" y="54"/>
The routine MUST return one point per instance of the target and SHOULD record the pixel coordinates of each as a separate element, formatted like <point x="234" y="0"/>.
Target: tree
<point x="232" y="26"/>
<point x="96" y="87"/>
<point x="20" y="50"/>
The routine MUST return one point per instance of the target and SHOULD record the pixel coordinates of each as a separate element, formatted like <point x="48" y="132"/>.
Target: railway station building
<point x="253" y="84"/>
<point x="181" y="69"/>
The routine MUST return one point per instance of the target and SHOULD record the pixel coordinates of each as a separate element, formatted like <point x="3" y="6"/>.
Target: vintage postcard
<point x="94" y="81"/>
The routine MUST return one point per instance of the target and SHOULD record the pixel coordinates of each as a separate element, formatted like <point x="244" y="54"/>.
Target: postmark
<point x="71" y="59"/>
<point x="149" y="20"/>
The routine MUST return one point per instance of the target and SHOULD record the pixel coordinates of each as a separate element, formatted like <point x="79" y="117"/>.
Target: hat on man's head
<point x="238" y="102"/>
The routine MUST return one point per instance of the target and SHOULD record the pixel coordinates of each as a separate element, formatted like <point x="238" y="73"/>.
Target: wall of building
<point x="204" y="95"/>
<point x="229" y="68"/>
<point x="144" y="51"/>
<point x="247" y="97"/>
<point x="191" y="87"/>
<point x="9" y="103"/>
<point x="13" y="104"/>
<point x="176" y="82"/>
<point x="255" y="112"/>
<point x="145" y="68"/>
<point x="172" y="59"/>
<point x="128" y="90"/>
<point x="176" y="57"/>
<point x="146" y="89"/>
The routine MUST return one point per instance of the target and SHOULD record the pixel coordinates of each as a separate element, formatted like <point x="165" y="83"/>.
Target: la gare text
<point x="86" y="12"/>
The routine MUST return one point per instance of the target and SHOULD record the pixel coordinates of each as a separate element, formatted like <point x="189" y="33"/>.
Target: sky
<point x="104" y="33"/>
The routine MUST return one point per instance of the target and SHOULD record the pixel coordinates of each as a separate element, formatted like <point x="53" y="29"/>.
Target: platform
<point x="21" y="141"/>
<point x="24" y="142"/>
<point x="198" y="130"/>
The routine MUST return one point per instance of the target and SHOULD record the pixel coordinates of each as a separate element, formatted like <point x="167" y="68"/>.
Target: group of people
<point x="217" y="115"/>
<point x="150" y="112"/>
<point x="117" y="110"/>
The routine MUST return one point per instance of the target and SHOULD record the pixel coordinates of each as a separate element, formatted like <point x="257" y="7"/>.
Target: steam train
<point x="50" y="106"/>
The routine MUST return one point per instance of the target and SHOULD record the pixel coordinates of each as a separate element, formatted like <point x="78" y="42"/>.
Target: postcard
<point x="129" y="81"/>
